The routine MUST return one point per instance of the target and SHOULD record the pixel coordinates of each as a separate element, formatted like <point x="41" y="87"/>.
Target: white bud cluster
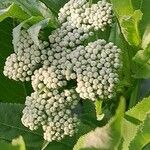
<point x="96" y="66"/>
<point x="33" y="113"/>
<point x="69" y="8"/>
<point x="62" y="41"/>
<point x="53" y="110"/>
<point x="21" y="64"/>
<point x="82" y="14"/>
<point x="65" y="126"/>
<point x="67" y="36"/>
<point x="52" y="64"/>
<point x="49" y="77"/>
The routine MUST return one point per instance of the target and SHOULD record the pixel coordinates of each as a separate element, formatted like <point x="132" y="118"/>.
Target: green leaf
<point x="129" y="131"/>
<point x="88" y="115"/>
<point x="133" y="118"/>
<point x="140" y="110"/>
<point x="130" y="30"/>
<point x="107" y="137"/>
<point x="13" y="11"/>
<point x="122" y="8"/>
<point x="19" y="142"/>
<point x="145" y="23"/>
<point x="142" y="56"/>
<point x="146" y="38"/>
<point x="142" y="72"/>
<point x="11" y="126"/>
<point x="4" y="4"/>
<point x="142" y="137"/>
<point x="10" y="91"/>
<point x="142" y="60"/>
<point x="55" y="5"/>
<point x="30" y="6"/>
<point x="136" y="4"/>
<point x="129" y="20"/>
<point x="35" y="29"/>
<point x="147" y="147"/>
<point x="7" y="146"/>
<point x="146" y="15"/>
<point x="35" y="8"/>
<point x="134" y="94"/>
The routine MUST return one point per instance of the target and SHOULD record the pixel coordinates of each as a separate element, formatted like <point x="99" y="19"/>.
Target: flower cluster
<point x="21" y="64"/>
<point x="49" y="77"/>
<point x="96" y="67"/>
<point x="68" y="36"/>
<point x="52" y="65"/>
<point x="82" y="14"/>
<point x="53" y="110"/>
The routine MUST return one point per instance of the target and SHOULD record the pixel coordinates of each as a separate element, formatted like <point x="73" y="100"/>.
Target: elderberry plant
<point x="80" y="63"/>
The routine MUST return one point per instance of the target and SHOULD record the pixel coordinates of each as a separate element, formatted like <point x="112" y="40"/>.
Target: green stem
<point x="134" y="94"/>
<point x="98" y="107"/>
<point x="90" y="2"/>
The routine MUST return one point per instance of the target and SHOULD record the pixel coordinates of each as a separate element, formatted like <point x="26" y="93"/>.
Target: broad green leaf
<point x="142" y="56"/>
<point x="122" y="8"/>
<point x="129" y="131"/>
<point x="142" y="60"/>
<point x="140" y="110"/>
<point x="133" y="118"/>
<point x="36" y="28"/>
<point x="134" y="98"/>
<point x="107" y="137"/>
<point x="129" y="20"/>
<point x="146" y="38"/>
<point x="145" y="23"/>
<point x="147" y="147"/>
<point x="13" y="11"/>
<point x="30" y="6"/>
<point x="10" y="91"/>
<point x="130" y="30"/>
<point x="19" y="142"/>
<point x="35" y="8"/>
<point x="142" y="71"/>
<point x="88" y="115"/>
<point x="142" y="137"/>
<point x="136" y="4"/>
<point x="7" y="146"/>
<point x="4" y="4"/>
<point x="146" y="15"/>
<point x="11" y="126"/>
<point x="55" y="5"/>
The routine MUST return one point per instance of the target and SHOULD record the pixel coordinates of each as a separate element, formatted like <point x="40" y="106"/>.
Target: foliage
<point x="122" y="123"/>
<point x="107" y="137"/>
<point x="16" y="92"/>
<point x="17" y="144"/>
<point x="136" y="120"/>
